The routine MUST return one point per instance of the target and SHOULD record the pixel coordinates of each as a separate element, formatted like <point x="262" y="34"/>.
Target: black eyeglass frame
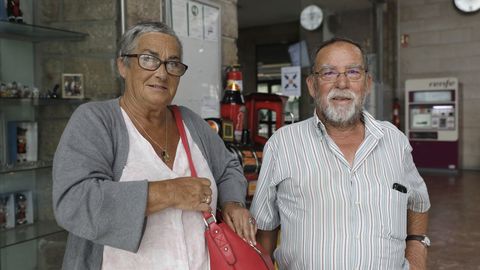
<point x="161" y="62"/>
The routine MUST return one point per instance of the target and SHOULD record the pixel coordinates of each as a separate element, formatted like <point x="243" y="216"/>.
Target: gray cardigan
<point x="91" y="204"/>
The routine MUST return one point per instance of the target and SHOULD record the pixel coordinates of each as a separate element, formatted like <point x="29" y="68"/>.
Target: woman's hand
<point x="240" y="220"/>
<point x="187" y="193"/>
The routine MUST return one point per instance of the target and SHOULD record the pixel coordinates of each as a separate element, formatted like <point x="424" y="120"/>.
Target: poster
<point x="211" y="23"/>
<point x="195" y="20"/>
<point x="291" y="81"/>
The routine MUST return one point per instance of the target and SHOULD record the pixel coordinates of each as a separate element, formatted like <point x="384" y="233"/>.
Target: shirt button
<point x="357" y="237"/>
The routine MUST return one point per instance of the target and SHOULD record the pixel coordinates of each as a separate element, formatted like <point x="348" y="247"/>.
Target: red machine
<point x="258" y="107"/>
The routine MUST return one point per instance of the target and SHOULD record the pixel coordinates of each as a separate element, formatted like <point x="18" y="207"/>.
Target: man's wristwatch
<point x="422" y="238"/>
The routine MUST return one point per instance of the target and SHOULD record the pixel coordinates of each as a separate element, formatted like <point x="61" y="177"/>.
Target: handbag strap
<point x="209" y="217"/>
<point x="183" y="137"/>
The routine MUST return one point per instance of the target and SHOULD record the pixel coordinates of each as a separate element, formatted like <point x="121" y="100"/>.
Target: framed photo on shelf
<point x="227" y="130"/>
<point x="72" y="86"/>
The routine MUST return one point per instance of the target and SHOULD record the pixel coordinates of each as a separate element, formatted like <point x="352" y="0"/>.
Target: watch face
<point x="311" y="17"/>
<point x="467" y="6"/>
<point x="426" y="241"/>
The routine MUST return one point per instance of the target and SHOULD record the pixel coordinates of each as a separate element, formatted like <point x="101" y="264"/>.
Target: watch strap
<point x="415" y="237"/>
<point x="421" y="238"/>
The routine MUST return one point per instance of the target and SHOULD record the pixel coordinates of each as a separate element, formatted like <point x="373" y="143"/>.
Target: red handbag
<point x="226" y="249"/>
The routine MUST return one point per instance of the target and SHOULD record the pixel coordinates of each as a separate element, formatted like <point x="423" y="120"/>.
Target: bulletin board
<point x="197" y="24"/>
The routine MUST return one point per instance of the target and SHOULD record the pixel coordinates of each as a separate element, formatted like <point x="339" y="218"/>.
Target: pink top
<point x="173" y="238"/>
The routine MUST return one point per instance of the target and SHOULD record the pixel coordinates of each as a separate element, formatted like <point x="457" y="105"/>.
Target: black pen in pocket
<point x="399" y="187"/>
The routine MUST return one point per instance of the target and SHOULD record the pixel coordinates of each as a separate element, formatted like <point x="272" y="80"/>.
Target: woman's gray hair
<point x="129" y="40"/>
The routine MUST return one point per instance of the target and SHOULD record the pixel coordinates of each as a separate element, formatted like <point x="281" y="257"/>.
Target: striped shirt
<point x="333" y="215"/>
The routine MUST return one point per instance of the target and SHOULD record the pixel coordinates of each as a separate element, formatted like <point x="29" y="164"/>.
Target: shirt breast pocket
<point x="394" y="215"/>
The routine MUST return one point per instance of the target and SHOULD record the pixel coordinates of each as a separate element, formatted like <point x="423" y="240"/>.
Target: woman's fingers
<point x="227" y="219"/>
<point x="191" y="193"/>
<point x="240" y="220"/>
<point x="252" y="229"/>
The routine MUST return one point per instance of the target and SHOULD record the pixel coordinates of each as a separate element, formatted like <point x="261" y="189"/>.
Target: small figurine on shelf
<point x="21" y="145"/>
<point x="3" y="211"/>
<point x="13" y="11"/>
<point x="3" y="89"/>
<point x="35" y="93"/>
<point x="21" y="209"/>
<point x="54" y="92"/>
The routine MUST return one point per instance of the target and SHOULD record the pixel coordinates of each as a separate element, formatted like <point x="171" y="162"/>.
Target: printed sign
<point x="291" y="81"/>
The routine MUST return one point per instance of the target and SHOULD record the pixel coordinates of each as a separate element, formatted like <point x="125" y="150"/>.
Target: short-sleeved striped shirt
<point x="333" y="215"/>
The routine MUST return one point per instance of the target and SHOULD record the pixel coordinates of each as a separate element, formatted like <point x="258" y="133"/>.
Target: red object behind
<point x="234" y="112"/>
<point x="260" y="101"/>
<point x="234" y="74"/>
<point x="396" y="113"/>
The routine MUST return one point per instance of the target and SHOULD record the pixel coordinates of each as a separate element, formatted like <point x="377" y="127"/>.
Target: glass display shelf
<point x="35" y="33"/>
<point x="40" y="101"/>
<point x="28" y="232"/>
<point x="27" y="166"/>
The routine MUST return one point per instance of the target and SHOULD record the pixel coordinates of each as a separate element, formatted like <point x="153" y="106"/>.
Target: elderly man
<point x="342" y="185"/>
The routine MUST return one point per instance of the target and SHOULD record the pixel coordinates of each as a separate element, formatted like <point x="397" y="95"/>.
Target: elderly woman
<point x="121" y="179"/>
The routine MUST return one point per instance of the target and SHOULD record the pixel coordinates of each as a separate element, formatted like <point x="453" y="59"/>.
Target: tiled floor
<point x="454" y="226"/>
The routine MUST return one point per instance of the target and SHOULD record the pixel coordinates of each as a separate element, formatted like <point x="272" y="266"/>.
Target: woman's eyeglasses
<point x="152" y="63"/>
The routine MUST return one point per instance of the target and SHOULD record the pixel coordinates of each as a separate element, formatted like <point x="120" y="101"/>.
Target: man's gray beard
<point x="341" y="116"/>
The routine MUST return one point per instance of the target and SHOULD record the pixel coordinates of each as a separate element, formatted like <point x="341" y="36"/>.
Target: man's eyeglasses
<point x="331" y="75"/>
<point x="152" y="63"/>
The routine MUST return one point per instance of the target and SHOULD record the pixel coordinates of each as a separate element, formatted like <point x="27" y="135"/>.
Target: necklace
<point x="164" y="151"/>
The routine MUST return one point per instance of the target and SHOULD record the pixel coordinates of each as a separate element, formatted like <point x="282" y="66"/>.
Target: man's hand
<point x="416" y="254"/>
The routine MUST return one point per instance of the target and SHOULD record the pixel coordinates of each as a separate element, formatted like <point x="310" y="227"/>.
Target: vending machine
<point x="432" y="122"/>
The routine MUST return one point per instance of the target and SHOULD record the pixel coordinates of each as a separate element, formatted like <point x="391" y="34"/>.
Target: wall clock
<point x="467" y="6"/>
<point x="311" y="17"/>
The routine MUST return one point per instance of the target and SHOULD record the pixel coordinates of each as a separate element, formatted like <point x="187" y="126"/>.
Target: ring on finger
<point x="206" y="199"/>
<point x="251" y="220"/>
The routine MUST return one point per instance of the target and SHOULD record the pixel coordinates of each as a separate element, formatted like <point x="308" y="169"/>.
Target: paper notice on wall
<point x="179" y="17"/>
<point x="291" y="81"/>
<point x="195" y="20"/>
<point x="211" y="23"/>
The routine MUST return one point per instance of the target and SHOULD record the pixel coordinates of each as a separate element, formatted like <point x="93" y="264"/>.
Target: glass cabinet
<point x="39" y="242"/>
<point x="29" y="132"/>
